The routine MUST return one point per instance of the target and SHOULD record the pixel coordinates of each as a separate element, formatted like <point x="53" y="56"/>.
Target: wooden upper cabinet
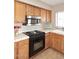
<point x="14" y="9"/>
<point x="26" y="10"/>
<point x="19" y="12"/>
<point x="32" y="10"/>
<point x="43" y="15"/>
<point x="48" y="16"/>
<point x="29" y="10"/>
<point x="37" y="11"/>
<point x="22" y="10"/>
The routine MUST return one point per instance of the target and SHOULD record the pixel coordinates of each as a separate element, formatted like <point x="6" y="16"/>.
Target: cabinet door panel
<point x="15" y="50"/>
<point x="43" y="15"/>
<point x="62" y="44"/>
<point x="23" y="49"/>
<point x="47" y="40"/>
<point x="51" y="39"/>
<point x="48" y="16"/>
<point x="57" y="42"/>
<point x="20" y="12"/>
<point x="30" y="10"/>
<point x="37" y="11"/>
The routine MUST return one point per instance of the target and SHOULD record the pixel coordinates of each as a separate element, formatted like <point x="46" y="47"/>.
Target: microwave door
<point x="34" y="21"/>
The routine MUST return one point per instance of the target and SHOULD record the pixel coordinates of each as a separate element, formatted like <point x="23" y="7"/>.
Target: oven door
<point x="36" y="45"/>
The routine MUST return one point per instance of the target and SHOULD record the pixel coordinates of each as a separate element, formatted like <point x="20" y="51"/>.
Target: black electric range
<point x="36" y="41"/>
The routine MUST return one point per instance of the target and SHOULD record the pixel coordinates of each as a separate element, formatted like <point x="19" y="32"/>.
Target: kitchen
<point x="38" y="35"/>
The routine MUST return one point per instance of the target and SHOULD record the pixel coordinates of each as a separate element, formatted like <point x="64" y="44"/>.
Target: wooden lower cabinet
<point x="62" y="46"/>
<point x="22" y="50"/>
<point x="47" y="40"/>
<point x="57" y="42"/>
<point x="15" y="50"/>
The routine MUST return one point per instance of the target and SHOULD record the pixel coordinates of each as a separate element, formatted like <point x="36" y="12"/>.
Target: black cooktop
<point x="34" y="33"/>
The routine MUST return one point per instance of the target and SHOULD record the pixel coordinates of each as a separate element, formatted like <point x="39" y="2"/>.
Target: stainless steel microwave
<point x="32" y="20"/>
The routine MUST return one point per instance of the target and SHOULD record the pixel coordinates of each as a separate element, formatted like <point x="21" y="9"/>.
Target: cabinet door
<point x="14" y="10"/>
<point x="47" y="40"/>
<point x="20" y="12"/>
<point x="57" y="43"/>
<point x="30" y="10"/>
<point x="62" y="44"/>
<point x="37" y="11"/>
<point x="43" y="15"/>
<point x="15" y="50"/>
<point x="51" y="39"/>
<point x="23" y="49"/>
<point x="48" y="16"/>
<point x="26" y="10"/>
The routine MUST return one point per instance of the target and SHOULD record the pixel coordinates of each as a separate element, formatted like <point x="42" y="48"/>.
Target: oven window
<point x="38" y="45"/>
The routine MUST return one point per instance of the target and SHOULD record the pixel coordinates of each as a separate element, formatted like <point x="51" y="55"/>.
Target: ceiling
<point x="52" y="2"/>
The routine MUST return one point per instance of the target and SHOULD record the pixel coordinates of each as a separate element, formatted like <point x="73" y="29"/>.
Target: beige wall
<point x="59" y="7"/>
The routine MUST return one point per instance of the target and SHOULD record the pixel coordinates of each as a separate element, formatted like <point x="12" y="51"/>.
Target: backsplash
<point x="30" y="28"/>
<point x="44" y="26"/>
<point x="47" y="25"/>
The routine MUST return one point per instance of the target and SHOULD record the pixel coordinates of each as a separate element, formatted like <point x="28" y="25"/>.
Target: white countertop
<point x="20" y="37"/>
<point x="58" y="32"/>
<point x="54" y="31"/>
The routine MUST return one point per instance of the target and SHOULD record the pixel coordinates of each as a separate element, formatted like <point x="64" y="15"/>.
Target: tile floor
<point x="48" y="54"/>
